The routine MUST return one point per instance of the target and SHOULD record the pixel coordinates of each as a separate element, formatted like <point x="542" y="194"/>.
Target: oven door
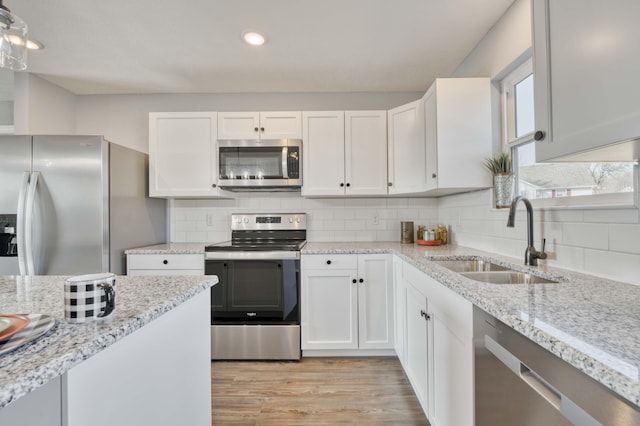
<point x="254" y="290"/>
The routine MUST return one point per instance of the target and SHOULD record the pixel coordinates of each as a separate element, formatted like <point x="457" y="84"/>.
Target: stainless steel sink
<point x="471" y="265"/>
<point x="507" y="277"/>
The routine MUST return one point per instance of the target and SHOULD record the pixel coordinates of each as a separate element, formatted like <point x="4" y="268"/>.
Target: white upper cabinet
<point x="437" y="145"/>
<point x="586" y="70"/>
<point x="322" y="153"/>
<point x="344" y="153"/>
<point x="458" y="135"/>
<point x="406" y="149"/>
<point x="365" y="153"/>
<point x="183" y="155"/>
<point x="260" y="125"/>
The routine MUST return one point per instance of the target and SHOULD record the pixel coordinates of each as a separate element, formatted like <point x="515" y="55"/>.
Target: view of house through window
<point x="551" y="180"/>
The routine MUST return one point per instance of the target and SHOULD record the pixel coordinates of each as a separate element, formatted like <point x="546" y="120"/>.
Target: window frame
<point x="510" y="143"/>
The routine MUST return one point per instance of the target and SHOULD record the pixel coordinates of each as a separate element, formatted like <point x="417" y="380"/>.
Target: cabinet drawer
<point x="329" y="261"/>
<point x="166" y="262"/>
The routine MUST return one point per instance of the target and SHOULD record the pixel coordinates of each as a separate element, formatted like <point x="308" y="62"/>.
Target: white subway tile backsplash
<point x="624" y="238"/>
<point x="397" y="202"/>
<point x="356" y="225"/>
<point x="600" y="241"/>
<point x="617" y="266"/>
<point x="333" y="225"/>
<point x="557" y="215"/>
<point x="586" y="235"/>
<point x="623" y="215"/>
<point x="565" y="256"/>
<point x="344" y="214"/>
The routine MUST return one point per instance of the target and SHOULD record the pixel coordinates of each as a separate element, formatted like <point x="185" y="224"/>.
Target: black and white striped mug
<point x="89" y="297"/>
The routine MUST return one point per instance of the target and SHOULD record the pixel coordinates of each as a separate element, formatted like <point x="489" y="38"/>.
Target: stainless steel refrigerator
<point x="75" y="203"/>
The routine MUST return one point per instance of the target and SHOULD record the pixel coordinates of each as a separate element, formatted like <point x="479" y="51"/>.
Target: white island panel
<point x="158" y="375"/>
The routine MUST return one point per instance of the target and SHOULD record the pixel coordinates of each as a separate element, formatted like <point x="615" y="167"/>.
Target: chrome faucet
<point x="531" y="255"/>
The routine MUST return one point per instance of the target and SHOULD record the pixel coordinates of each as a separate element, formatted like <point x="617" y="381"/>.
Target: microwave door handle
<point x="285" y="155"/>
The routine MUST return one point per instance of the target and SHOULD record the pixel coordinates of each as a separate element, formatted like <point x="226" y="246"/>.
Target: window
<point x="556" y="183"/>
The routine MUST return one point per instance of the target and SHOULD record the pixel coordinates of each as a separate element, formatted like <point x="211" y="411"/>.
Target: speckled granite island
<point x="126" y="369"/>
<point x="591" y="323"/>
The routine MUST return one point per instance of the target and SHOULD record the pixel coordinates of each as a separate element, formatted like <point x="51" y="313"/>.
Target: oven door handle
<point x="252" y="255"/>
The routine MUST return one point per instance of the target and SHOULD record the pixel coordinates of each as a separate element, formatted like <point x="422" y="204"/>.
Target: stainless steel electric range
<point x="255" y="306"/>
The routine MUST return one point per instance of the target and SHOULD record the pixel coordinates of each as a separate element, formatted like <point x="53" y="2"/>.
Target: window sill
<point x="598" y="202"/>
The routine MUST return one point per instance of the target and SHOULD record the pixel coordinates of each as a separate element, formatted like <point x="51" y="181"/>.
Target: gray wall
<point x="124" y="119"/>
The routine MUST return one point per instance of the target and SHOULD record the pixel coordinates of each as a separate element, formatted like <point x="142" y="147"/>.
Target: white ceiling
<point x="194" y="46"/>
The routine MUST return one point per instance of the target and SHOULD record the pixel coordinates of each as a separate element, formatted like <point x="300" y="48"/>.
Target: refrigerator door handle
<point x="31" y="196"/>
<point x="20" y="223"/>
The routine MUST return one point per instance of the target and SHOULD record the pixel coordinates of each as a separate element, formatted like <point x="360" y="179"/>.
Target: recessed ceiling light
<point x="253" y="38"/>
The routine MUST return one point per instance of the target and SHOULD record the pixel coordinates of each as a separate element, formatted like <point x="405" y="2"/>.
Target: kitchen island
<point x="146" y="363"/>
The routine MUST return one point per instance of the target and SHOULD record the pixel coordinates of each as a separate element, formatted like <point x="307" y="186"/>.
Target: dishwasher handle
<point x="560" y="402"/>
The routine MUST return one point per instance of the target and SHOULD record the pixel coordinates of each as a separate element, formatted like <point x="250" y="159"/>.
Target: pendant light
<point x="13" y="40"/>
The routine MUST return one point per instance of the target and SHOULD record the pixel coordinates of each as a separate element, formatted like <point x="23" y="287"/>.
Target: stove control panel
<point x="267" y="221"/>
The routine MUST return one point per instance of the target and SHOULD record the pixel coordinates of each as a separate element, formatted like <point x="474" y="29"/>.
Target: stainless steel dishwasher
<point x="517" y="382"/>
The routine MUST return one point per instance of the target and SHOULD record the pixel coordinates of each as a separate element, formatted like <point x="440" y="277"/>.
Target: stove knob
<point x="298" y="219"/>
<point x="290" y="220"/>
<point x="246" y="220"/>
<point x="238" y="220"/>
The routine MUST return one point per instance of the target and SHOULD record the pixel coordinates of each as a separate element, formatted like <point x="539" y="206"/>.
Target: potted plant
<point x="503" y="179"/>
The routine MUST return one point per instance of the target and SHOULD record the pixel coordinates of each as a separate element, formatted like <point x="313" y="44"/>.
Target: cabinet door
<point x="323" y="153"/>
<point x="329" y="310"/>
<point x="182" y="154"/>
<point x="400" y="300"/>
<point x="366" y="152"/>
<point x="281" y="125"/>
<point x="458" y="134"/>
<point x="431" y="139"/>
<point x="406" y="148"/>
<point x="417" y="348"/>
<point x="375" y="301"/>
<point x="586" y="75"/>
<point x="238" y="125"/>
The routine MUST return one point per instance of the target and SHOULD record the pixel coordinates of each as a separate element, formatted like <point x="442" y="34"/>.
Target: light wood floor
<point x="314" y="391"/>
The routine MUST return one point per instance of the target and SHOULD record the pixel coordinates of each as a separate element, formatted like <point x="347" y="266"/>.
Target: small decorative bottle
<point x="443" y="234"/>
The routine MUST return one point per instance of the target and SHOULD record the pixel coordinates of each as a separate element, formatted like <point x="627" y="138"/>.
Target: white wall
<point x="42" y="108"/>
<point x="124" y="119"/>
<point x="601" y="242"/>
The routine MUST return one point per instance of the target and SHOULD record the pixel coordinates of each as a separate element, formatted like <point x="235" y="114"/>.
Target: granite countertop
<point x="139" y="300"/>
<point x="591" y="323"/>
<point x="169" y="248"/>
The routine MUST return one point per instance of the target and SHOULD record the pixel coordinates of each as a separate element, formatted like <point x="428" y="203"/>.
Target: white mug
<point x="89" y="297"/>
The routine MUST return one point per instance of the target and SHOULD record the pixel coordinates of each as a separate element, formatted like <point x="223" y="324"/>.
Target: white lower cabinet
<point x="438" y="347"/>
<point x="347" y="304"/>
<point x="400" y="303"/>
<point x="417" y="345"/>
<point x="165" y="264"/>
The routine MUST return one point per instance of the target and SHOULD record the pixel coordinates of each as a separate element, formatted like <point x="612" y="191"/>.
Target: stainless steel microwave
<point x="253" y="164"/>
